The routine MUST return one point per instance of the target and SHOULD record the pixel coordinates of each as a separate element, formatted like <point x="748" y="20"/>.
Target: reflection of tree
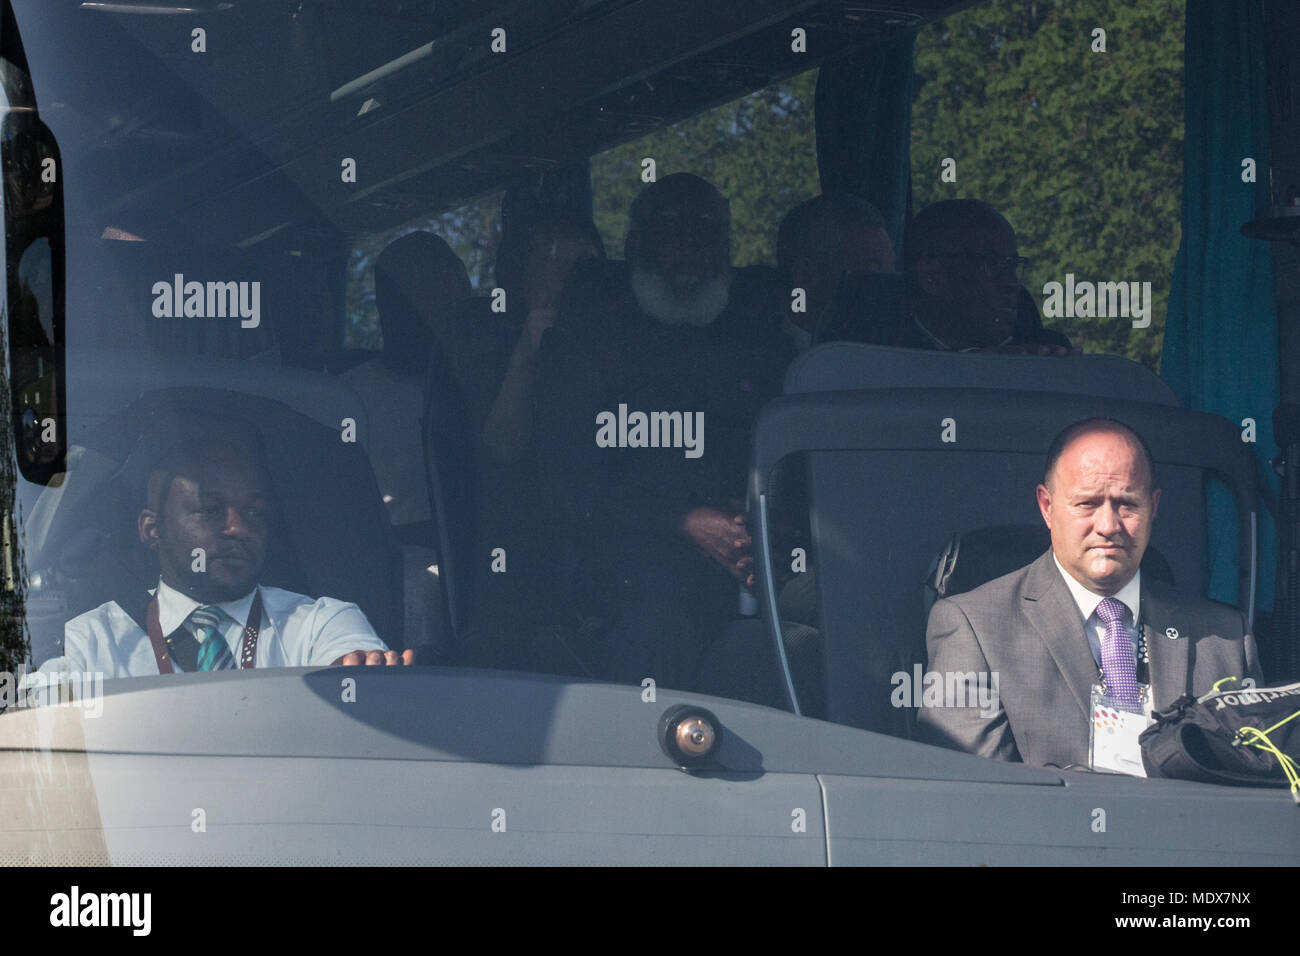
<point x="1081" y="151"/>
<point x="35" y="280"/>
<point x="31" y="359"/>
<point x="29" y="332"/>
<point x="14" y="644"/>
<point x="760" y="150"/>
<point x="26" y="192"/>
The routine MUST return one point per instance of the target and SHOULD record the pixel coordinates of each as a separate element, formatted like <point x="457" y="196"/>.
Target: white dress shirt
<point x="1087" y="601"/>
<point x="295" y="631"/>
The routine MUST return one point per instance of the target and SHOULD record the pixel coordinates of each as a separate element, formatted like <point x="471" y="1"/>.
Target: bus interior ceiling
<point x="246" y="151"/>
<point x="243" y="147"/>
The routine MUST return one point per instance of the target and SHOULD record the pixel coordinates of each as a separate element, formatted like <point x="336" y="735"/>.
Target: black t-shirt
<point x="605" y="352"/>
<point x="878" y="309"/>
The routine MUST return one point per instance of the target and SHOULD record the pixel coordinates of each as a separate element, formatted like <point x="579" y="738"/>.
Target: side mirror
<point x="34" y="294"/>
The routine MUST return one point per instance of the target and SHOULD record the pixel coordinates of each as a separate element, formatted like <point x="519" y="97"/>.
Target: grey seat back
<point x="102" y="383"/>
<point x="117" y="278"/>
<point x="841" y="366"/>
<point x="870" y="306"/>
<point x="976" y="557"/>
<point x="330" y="533"/>
<point x="885" y="489"/>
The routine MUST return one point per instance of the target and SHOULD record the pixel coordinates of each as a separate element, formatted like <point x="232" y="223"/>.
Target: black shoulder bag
<point x="1246" y="736"/>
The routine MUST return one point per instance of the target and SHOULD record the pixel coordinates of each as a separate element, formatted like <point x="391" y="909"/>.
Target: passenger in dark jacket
<point x="961" y="290"/>
<point x="651" y="382"/>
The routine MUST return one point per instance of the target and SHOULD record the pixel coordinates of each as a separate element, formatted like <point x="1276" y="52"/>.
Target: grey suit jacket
<point x="1025" y="628"/>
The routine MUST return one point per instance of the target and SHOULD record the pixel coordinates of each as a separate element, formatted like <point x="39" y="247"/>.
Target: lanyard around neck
<point x="248" y="645"/>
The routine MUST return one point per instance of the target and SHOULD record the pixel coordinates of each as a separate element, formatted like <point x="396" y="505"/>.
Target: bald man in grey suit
<point x="1053" y="629"/>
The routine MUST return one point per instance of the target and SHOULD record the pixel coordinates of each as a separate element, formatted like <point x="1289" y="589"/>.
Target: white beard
<point x="657" y="299"/>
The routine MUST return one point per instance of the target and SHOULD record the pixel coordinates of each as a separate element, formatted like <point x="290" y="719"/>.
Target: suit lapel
<point x="1168" y="666"/>
<point x="1054" y="615"/>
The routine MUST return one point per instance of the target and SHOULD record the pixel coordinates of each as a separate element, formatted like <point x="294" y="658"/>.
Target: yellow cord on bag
<point x="1254" y="737"/>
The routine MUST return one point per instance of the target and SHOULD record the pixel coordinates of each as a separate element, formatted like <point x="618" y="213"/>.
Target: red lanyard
<point x="248" y="645"/>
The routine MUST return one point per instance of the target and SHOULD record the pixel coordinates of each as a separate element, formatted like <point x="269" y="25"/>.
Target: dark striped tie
<point x="214" y="652"/>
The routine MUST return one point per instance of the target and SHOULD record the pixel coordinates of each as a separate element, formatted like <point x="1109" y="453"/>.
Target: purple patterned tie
<point x="1118" y="669"/>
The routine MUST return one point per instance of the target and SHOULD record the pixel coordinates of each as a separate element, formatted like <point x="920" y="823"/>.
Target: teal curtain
<point x="863" y="116"/>
<point x="1221" y="346"/>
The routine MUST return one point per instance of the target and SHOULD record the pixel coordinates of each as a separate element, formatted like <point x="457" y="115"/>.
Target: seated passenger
<point x="206" y="519"/>
<point x="417" y="277"/>
<point x="817" y="242"/>
<point x="488" y="348"/>
<point x="493" y="354"/>
<point x="1080" y="615"/>
<point x="652" y="380"/>
<point x="961" y="292"/>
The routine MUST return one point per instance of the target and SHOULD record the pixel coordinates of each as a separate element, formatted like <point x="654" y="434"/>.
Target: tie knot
<point x="1112" y="609"/>
<point x="206" y="617"/>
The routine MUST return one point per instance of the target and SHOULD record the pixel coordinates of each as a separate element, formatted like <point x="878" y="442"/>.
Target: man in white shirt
<point x="206" y="519"/>
<point x="1080" y="615"/>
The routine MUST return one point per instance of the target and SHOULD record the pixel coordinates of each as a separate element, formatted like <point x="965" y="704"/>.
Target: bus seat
<point x="976" y="557"/>
<point x="865" y="300"/>
<point x="330" y="536"/>
<point x="111" y="363"/>
<point x="117" y="278"/>
<point x="884" y="486"/>
<point x="970" y="559"/>
<point x="102" y="382"/>
<point x="842" y="366"/>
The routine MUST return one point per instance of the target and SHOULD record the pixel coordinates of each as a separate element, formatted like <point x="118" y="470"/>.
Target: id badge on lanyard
<point x="1113" y="732"/>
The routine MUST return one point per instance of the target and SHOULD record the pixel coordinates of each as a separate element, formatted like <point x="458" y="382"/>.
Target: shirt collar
<point x="1087" y="601"/>
<point x="174" y="608"/>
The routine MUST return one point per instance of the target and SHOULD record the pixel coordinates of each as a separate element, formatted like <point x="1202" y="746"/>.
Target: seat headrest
<point x="329" y="535"/>
<point x="972" y="558"/>
<point x="865" y="300"/>
<point x="852" y="366"/>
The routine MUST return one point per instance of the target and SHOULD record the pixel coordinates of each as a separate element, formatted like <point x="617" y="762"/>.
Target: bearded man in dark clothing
<point x="651" y="382"/>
